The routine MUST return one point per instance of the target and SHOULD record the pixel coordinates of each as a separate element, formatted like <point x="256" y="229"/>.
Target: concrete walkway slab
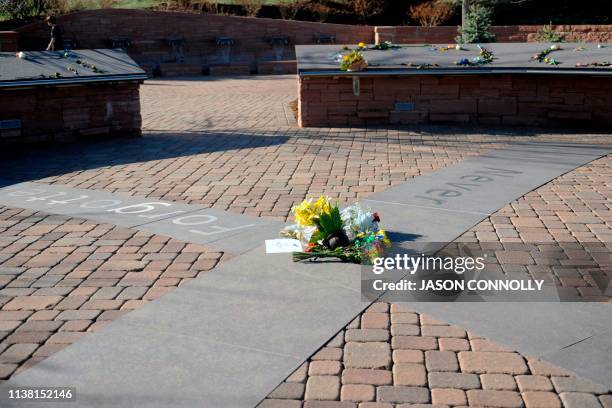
<point x="591" y="357"/>
<point x="225" y="310"/>
<point x="229" y="232"/>
<point x="486" y="183"/>
<point x="149" y="367"/>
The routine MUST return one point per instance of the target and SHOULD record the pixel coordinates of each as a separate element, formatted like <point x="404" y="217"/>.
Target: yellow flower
<point x="304" y="213"/>
<point x="346" y="57"/>
<point x="322" y="206"/>
<point x="361" y="45"/>
<point x="385" y="239"/>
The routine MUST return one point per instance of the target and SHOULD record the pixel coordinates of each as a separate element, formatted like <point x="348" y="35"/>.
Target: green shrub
<point x="548" y="34"/>
<point x="477" y="25"/>
<point x="25" y="9"/>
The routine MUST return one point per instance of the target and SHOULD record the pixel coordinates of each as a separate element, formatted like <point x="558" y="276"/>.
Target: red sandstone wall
<point x="9" y="41"/>
<point x="148" y="29"/>
<point x="527" y="100"/>
<point x="68" y="113"/>
<point x="523" y="33"/>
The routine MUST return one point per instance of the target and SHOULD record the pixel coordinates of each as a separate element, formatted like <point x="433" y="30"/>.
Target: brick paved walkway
<point x="230" y="144"/>
<point x="392" y="357"/>
<point x="62" y="277"/>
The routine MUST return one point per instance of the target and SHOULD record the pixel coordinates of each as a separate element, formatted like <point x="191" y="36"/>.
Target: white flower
<point x="21" y="55"/>
<point x="303" y="234"/>
<point x="357" y="220"/>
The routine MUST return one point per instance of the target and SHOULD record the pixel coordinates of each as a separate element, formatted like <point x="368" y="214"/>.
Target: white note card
<point x="281" y="245"/>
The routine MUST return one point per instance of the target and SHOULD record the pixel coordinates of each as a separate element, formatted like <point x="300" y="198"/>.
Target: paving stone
<point x="367" y="335"/>
<point x="443" y="331"/>
<point x="328" y="353"/>
<point x="533" y="383"/>
<point x="453" y="344"/>
<point x="32" y="302"/>
<point x="366" y="376"/>
<point x="408" y="356"/>
<point x="65" y="337"/>
<point x="329" y="404"/>
<point x="401" y="394"/>
<point x="488" y="398"/>
<point x="488" y="345"/>
<point x="322" y="388"/>
<point x="539" y="367"/>
<point x="606" y="401"/>
<point x="447" y="396"/>
<point x="288" y="390"/>
<point x="324" y="368"/>
<point x="300" y="374"/>
<point x="574" y="384"/>
<point x="7" y="369"/>
<point x="367" y="355"/>
<point x="409" y="374"/>
<point x="357" y="392"/>
<point x="405" y="330"/>
<point x="106" y="293"/>
<point x="76" y="325"/>
<point x="9" y="325"/>
<point x="497" y="382"/>
<point x="462" y="381"/>
<point x="491" y="362"/>
<point x="17" y="353"/>
<point x="78" y="315"/>
<point x="579" y="400"/>
<point x="375" y="320"/>
<point x="280" y="403"/>
<point x="27" y="337"/>
<point x="40" y="325"/>
<point x="375" y="405"/>
<point x="414" y="343"/>
<point x="441" y="361"/>
<point x="336" y="341"/>
<point x="541" y="399"/>
<point x="404" y="318"/>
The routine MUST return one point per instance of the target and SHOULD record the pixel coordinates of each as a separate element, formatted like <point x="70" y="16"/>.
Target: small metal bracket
<point x="356" y="86"/>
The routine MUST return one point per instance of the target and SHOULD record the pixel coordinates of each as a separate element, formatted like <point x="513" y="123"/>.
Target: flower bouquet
<point x="353" y="61"/>
<point x="543" y="56"/>
<point x="351" y="235"/>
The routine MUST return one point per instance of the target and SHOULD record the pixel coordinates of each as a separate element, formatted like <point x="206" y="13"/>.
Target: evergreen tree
<point x="476" y="28"/>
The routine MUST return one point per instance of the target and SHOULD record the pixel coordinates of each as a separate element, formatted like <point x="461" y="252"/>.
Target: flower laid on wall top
<point x="362" y="45"/>
<point x="21" y="55"/>
<point x="484" y="57"/>
<point x="421" y="66"/>
<point x="594" y="64"/>
<point x="351" y="235"/>
<point x="543" y="56"/>
<point x="450" y="47"/>
<point x="385" y="45"/>
<point x="70" y="56"/>
<point x="353" y="61"/>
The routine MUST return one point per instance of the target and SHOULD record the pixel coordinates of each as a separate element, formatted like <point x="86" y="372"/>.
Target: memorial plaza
<point x="134" y="267"/>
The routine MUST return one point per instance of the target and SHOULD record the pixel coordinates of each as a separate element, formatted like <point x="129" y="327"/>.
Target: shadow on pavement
<point x="36" y="162"/>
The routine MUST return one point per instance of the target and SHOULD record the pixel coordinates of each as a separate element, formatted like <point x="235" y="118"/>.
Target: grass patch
<point x="136" y="4"/>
